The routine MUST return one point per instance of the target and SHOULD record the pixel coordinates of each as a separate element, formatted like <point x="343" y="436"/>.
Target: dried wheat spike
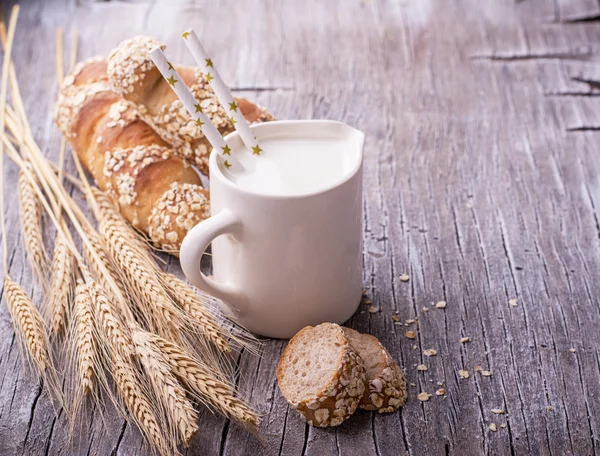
<point x="100" y="250"/>
<point x="200" y="381"/>
<point x="189" y="301"/>
<point x="31" y="223"/>
<point x="28" y="324"/>
<point x="141" y="274"/>
<point x="108" y="319"/>
<point x="139" y="407"/>
<point x="178" y="408"/>
<point x="61" y="284"/>
<point x="107" y="211"/>
<point x="84" y="335"/>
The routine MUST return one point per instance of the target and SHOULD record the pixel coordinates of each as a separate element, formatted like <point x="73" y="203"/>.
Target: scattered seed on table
<point x="440" y="392"/>
<point x="410" y="321"/>
<point x="425" y="309"/>
<point x="414" y="347"/>
<point x="503" y="426"/>
<point x="513" y="302"/>
<point x="486" y="373"/>
<point x="413" y="384"/>
<point x="440" y="384"/>
<point x="423" y="397"/>
<point x="464" y="340"/>
<point x="572" y="350"/>
<point x="404" y="278"/>
<point x="430" y="352"/>
<point x="410" y="334"/>
<point x="396" y="318"/>
<point x="421" y="367"/>
<point x="373" y="309"/>
<point x="498" y="411"/>
<point x="440" y="305"/>
<point x="493" y="427"/>
<point x="478" y="368"/>
<point x="463" y="373"/>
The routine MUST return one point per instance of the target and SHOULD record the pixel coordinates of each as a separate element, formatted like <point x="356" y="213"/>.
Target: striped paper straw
<point x="193" y="107"/>
<point x="221" y="90"/>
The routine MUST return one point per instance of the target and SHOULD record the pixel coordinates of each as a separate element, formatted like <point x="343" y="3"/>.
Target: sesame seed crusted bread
<point x="321" y="375"/>
<point x="134" y="76"/>
<point x="144" y="175"/>
<point x="386" y="390"/>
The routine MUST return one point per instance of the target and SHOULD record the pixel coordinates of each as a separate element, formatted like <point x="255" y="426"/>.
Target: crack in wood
<point x="594" y="84"/>
<point x="585" y="128"/>
<point x="575" y="54"/>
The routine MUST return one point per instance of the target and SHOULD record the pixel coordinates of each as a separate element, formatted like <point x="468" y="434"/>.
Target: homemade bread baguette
<point x="135" y="77"/>
<point x="155" y="188"/>
<point x="321" y="375"/>
<point x="386" y="390"/>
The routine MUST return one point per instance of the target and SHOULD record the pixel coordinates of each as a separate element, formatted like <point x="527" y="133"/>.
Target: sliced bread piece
<point x="321" y="375"/>
<point x="386" y="390"/>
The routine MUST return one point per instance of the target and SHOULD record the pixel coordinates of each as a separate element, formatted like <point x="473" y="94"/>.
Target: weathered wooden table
<point x="481" y="184"/>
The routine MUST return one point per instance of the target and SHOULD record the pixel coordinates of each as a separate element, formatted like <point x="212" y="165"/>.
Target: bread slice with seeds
<point x="321" y="375"/>
<point x="386" y="390"/>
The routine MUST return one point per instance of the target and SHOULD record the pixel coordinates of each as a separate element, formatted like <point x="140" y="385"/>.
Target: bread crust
<point x="386" y="392"/>
<point x="341" y="396"/>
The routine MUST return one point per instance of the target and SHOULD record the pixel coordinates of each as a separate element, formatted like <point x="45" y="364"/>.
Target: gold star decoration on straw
<point x="233" y="121"/>
<point x="198" y="107"/>
<point x="170" y="66"/>
<point x="227" y="164"/>
<point x="226" y="149"/>
<point x="199" y="123"/>
<point x="209" y="63"/>
<point x="172" y="81"/>
<point x="256" y="150"/>
<point x="185" y="35"/>
<point x="233" y="106"/>
<point x="209" y="77"/>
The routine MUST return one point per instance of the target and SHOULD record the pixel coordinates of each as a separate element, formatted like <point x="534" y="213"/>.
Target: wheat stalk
<point x="191" y="303"/>
<point x="202" y="382"/>
<point x="166" y="387"/>
<point x="31" y="222"/>
<point x="84" y="337"/>
<point x="28" y="323"/>
<point x="139" y="406"/>
<point x="61" y="284"/>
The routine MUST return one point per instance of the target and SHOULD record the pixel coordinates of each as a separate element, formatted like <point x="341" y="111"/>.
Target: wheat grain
<point x="61" y="284"/>
<point x="202" y="382"/>
<point x="189" y="301"/>
<point x="28" y="324"/>
<point x="31" y="222"/>
<point x="84" y="337"/>
<point x="166" y="387"/>
<point x="139" y="406"/>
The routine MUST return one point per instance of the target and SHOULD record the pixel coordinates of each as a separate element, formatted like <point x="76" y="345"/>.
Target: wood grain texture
<point x="481" y="183"/>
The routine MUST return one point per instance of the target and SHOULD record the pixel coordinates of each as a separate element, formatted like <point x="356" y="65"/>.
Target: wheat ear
<point x="108" y="319"/>
<point x="31" y="223"/>
<point x="84" y="337"/>
<point x="139" y="406"/>
<point x="177" y="407"/>
<point x="61" y="284"/>
<point x="203" y="384"/>
<point x="189" y="301"/>
<point x="28" y="323"/>
<point x="141" y="275"/>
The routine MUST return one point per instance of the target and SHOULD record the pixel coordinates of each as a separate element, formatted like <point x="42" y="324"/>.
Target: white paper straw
<point x="221" y="90"/>
<point x="193" y="107"/>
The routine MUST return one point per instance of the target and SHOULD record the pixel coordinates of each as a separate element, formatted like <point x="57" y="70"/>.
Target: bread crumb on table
<point x="464" y="340"/>
<point x="404" y="278"/>
<point x="498" y="411"/>
<point x="440" y="392"/>
<point x="493" y="427"/>
<point x="513" y="302"/>
<point x="410" y="334"/>
<point x="421" y="367"/>
<point x="464" y="374"/>
<point x="440" y="305"/>
<point x="430" y="352"/>
<point x="423" y="397"/>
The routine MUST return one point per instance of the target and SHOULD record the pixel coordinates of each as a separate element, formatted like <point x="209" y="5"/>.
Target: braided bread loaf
<point x="134" y="76"/>
<point x="155" y="189"/>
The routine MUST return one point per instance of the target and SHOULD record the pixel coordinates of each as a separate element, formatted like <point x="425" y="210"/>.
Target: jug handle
<point x="195" y="244"/>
